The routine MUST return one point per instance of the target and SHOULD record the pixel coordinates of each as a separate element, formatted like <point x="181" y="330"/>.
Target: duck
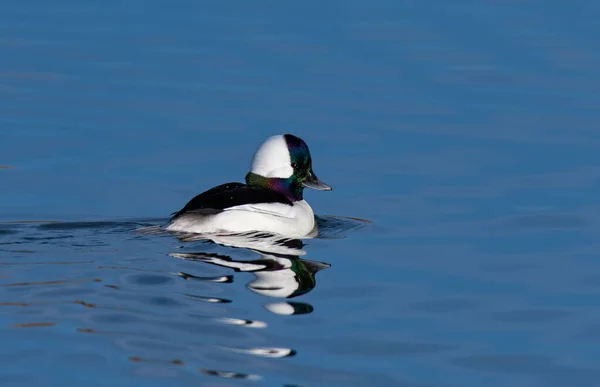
<point x="271" y="200"/>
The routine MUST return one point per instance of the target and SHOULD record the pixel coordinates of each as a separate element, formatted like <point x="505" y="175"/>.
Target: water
<point x="465" y="131"/>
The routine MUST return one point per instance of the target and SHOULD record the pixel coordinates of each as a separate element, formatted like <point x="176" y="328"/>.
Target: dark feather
<point x="219" y="198"/>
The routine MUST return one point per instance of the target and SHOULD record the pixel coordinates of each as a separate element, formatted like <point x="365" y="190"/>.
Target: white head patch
<point x="272" y="159"/>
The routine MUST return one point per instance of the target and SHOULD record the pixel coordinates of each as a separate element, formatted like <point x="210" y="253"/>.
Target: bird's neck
<point x="291" y="188"/>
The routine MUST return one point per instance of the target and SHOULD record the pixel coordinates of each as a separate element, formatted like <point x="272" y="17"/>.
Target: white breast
<point x="295" y="221"/>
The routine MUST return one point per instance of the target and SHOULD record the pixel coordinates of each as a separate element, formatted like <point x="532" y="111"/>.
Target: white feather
<point x="295" y="221"/>
<point x="272" y="159"/>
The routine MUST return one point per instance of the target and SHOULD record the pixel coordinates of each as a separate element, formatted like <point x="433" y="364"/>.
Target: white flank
<point x="295" y="221"/>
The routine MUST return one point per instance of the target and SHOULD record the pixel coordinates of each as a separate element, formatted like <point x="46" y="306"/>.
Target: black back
<point x="227" y="195"/>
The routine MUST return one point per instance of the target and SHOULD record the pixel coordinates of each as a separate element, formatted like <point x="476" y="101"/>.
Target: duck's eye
<point x="294" y="165"/>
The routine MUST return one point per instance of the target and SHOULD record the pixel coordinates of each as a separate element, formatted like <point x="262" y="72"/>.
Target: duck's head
<point x="283" y="163"/>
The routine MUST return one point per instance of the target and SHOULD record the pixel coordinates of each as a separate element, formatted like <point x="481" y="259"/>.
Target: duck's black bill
<point x="312" y="181"/>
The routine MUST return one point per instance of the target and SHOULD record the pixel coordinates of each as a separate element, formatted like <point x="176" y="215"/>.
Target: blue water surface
<point x="466" y="132"/>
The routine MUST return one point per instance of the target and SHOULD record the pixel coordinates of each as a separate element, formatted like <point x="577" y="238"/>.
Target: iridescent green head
<point x="283" y="163"/>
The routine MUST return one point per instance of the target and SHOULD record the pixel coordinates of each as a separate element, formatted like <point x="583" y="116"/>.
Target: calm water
<point x="466" y="131"/>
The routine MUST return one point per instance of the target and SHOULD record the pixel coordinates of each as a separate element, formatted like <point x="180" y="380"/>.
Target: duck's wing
<point x="222" y="197"/>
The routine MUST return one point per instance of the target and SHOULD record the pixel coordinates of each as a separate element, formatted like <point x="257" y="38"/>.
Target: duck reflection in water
<point x="279" y="272"/>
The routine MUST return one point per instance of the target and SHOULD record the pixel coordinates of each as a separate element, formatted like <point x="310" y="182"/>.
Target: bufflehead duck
<point x="270" y="201"/>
